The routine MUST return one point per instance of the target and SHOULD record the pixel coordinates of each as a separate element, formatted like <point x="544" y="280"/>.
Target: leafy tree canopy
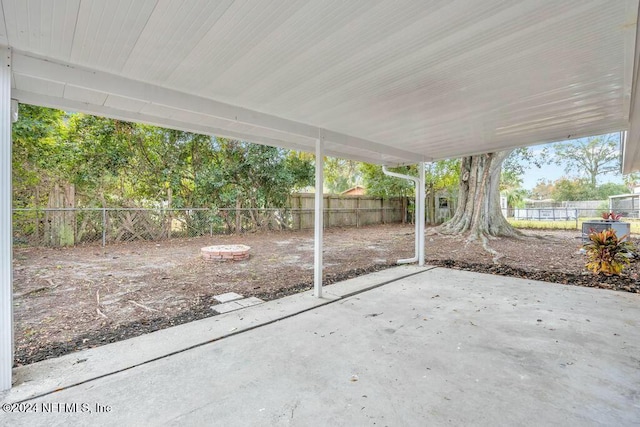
<point x="116" y="163"/>
<point x="580" y="189"/>
<point x="590" y="157"/>
<point x="341" y="174"/>
<point x="36" y="151"/>
<point x="380" y="185"/>
<point x="542" y="190"/>
<point x="439" y="175"/>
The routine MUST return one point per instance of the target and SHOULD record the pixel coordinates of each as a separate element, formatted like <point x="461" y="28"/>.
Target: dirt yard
<point x="69" y="299"/>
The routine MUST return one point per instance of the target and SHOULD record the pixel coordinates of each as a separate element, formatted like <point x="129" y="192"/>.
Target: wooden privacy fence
<point x="347" y="211"/>
<point x="72" y="226"/>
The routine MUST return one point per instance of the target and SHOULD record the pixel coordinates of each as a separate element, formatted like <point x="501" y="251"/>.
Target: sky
<point x="553" y="172"/>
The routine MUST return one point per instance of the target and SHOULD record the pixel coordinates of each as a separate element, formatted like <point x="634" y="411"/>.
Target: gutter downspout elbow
<point x="416" y="181"/>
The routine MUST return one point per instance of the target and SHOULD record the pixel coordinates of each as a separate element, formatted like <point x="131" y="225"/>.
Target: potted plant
<point x="611" y="216"/>
<point x="610" y="220"/>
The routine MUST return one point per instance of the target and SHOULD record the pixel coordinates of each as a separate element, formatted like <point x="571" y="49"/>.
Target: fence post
<point x="168" y="220"/>
<point x="358" y="212"/>
<point x="104" y="227"/>
<point x="577" y="219"/>
<point x="299" y="210"/>
<point x="38" y="228"/>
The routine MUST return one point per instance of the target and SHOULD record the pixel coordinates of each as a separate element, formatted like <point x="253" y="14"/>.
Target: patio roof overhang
<point x="383" y="82"/>
<point x="387" y="82"/>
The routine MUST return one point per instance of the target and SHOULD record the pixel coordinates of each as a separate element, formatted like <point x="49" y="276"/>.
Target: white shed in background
<point x="388" y="82"/>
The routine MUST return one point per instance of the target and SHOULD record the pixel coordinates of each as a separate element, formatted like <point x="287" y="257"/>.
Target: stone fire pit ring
<point x="225" y="253"/>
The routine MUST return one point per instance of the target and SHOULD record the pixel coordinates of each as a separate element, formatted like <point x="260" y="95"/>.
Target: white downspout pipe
<point x="416" y="181"/>
<point x="319" y="219"/>
<point x="420" y="216"/>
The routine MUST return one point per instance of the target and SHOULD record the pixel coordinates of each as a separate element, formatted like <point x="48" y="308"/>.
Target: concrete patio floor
<point x="408" y="346"/>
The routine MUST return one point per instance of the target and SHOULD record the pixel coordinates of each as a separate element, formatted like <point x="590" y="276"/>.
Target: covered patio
<point x="406" y="346"/>
<point x="385" y="82"/>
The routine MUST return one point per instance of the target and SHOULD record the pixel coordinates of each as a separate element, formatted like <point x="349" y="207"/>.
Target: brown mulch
<point x="74" y="298"/>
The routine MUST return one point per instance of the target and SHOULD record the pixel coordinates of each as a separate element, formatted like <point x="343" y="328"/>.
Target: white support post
<point x="319" y="219"/>
<point x="6" y="267"/>
<point x="420" y="215"/>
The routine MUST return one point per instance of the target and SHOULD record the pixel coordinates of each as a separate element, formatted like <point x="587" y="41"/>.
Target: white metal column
<point x="420" y="214"/>
<point x="6" y="267"/>
<point x="319" y="219"/>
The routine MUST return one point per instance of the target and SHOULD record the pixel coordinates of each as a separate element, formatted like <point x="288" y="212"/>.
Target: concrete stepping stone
<point x="236" y="305"/>
<point x="229" y="296"/>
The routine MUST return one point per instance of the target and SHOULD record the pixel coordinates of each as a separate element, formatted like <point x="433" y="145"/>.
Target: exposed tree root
<point x="485" y="246"/>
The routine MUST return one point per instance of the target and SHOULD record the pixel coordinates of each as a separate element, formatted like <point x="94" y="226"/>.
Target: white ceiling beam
<point x="114" y="113"/>
<point x="112" y="84"/>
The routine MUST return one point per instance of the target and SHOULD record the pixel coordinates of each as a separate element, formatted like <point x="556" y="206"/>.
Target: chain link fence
<point x="58" y="227"/>
<point x="626" y="204"/>
<point x="561" y="218"/>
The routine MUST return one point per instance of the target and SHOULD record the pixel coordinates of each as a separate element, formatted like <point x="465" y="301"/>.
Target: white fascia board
<point x="112" y="84"/>
<point x="530" y="140"/>
<point x="631" y="144"/>
<point x="101" y="110"/>
<point x="624" y="136"/>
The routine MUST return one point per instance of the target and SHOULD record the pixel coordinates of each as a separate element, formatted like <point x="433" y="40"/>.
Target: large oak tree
<point x="478" y="214"/>
<point x="593" y="156"/>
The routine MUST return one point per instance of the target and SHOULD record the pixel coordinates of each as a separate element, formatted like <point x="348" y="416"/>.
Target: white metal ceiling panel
<point x="161" y="48"/>
<point x="390" y="81"/>
<point x="232" y="37"/>
<point x="481" y="83"/>
<point x="42" y="26"/>
<point x="355" y="43"/>
<point x="370" y="67"/>
<point x="275" y="54"/>
<point x="107" y="31"/>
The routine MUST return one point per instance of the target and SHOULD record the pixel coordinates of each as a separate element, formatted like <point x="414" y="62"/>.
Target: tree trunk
<point x="478" y="212"/>
<point x="431" y="205"/>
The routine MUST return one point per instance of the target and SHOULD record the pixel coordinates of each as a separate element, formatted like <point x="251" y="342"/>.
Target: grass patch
<point x="545" y="225"/>
<point x="565" y="225"/>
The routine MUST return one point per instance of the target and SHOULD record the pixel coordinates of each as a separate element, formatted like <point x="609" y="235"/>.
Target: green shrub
<point x="607" y="253"/>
